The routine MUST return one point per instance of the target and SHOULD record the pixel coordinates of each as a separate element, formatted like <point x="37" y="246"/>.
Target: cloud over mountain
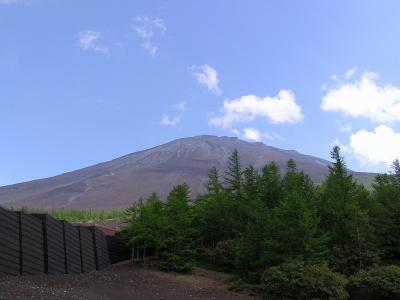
<point x="276" y="110"/>
<point x="382" y="145"/>
<point x="364" y="97"/>
<point x="207" y="76"/>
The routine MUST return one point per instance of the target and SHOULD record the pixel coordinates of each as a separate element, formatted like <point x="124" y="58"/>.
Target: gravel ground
<point x="121" y="282"/>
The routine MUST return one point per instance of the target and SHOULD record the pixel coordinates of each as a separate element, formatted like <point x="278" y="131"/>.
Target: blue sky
<point x="83" y="82"/>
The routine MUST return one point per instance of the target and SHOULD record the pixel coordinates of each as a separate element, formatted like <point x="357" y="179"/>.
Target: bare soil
<point x="123" y="281"/>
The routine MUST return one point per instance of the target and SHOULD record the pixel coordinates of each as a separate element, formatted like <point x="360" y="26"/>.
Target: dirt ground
<point x="122" y="281"/>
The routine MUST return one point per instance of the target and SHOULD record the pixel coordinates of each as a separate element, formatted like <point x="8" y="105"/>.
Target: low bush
<point x="222" y="257"/>
<point x="377" y="283"/>
<point x="176" y="263"/>
<point x="298" y="281"/>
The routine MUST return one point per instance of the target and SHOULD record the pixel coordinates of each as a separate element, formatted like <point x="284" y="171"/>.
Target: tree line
<point x="277" y="231"/>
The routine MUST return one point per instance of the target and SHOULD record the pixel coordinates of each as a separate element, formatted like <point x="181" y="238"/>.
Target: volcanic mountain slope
<point x="122" y="181"/>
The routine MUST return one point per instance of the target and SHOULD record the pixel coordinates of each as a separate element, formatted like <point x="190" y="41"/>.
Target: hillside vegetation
<point x="280" y="233"/>
<point x="79" y="215"/>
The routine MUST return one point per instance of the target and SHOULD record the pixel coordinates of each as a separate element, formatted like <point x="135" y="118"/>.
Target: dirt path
<point x="121" y="282"/>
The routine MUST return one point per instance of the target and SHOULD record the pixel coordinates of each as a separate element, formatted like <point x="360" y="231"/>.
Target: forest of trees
<point x="278" y="232"/>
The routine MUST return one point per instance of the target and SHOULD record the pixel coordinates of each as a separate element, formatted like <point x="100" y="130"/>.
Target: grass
<point x="76" y="215"/>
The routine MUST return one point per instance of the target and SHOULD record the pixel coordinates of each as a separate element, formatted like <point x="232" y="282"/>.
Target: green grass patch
<point x="76" y="215"/>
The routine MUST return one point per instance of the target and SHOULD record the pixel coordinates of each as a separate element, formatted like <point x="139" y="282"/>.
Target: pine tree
<point x="179" y="241"/>
<point x="214" y="215"/>
<point x="387" y="218"/>
<point x="270" y="186"/>
<point x="146" y="225"/>
<point x="293" y="229"/>
<point x="345" y="218"/>
<point x="259" y="220"/>
<point x="234" y="176"/>
<point x="214" y="186"/>
<point x="396" y="171"/>
<point x="250" y="183"/>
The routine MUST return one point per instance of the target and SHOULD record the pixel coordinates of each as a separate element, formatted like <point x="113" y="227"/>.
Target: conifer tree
<point x="214" y="215"/>
<point x="387" y="218"/>
<point x="250" y="183"/>
<point x="259" y="220"/>
<point x="270" y="186"/>
<point x="146" y="225"/>
<point x="179" y="240"/>
<point x="396" y="170"/>
<point x="234" y="176"/>
<point x="293" y="232"/>
<point x="214" y="186"/>
<point x="345" y="221"/>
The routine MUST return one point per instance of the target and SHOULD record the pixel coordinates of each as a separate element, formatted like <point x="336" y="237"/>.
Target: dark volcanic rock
<point x="120" y="182"/>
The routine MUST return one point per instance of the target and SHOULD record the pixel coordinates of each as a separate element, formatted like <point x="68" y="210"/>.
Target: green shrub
<point x="298" y="281"/>
<point x="223" y="255"/>
<point x="377" y="283"/>
<point x="176" y="263"/>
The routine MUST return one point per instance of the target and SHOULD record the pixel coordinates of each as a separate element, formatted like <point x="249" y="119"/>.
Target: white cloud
<point x="252" y="134"/>
<point x="207" y="76"/>
<point x="343" y="147"/>
<point x="148" y="28"/>
<point x="170" y="121"/>
<point x="147" y="45"/>
<point x="235" y="131"/>
<point x="343" y="127"/>
<point x="159" y="24"/>
<point x="181" y="106"/>
<point x="350" y="73"/>
<point x="381" y="146"/>
<point x="347" y="75"/>
<point x="272" y="136"/>
<point x="276" y="110"/>
<point x="174" y="120"/>
<point x="364" y="97"/>
<point x="88" y="40"/>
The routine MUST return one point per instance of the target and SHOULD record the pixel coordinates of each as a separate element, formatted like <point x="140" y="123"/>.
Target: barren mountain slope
<point x="120" y="182"/>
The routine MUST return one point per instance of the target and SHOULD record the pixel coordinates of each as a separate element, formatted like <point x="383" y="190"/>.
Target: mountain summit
<point x="119" y="182"/>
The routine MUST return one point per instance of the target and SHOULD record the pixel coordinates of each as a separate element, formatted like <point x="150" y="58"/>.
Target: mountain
<point x="119" y="182"/>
